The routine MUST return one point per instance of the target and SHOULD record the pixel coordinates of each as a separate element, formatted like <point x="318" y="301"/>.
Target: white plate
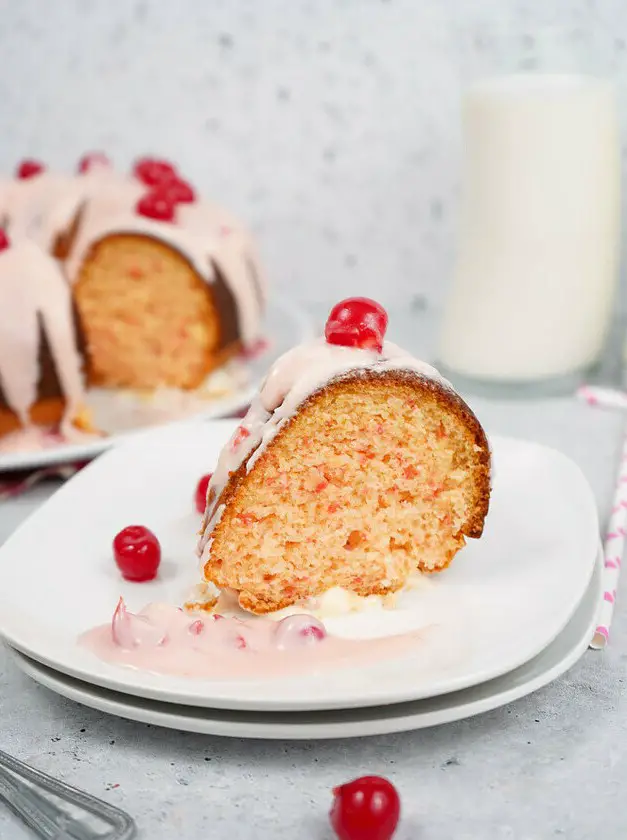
<point x="286" y="324"/>
<point x="553" y="661"/>
<point x="503" y="600"/>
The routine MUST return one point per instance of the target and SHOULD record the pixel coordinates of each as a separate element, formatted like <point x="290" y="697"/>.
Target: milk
<point x="537" y="262"/>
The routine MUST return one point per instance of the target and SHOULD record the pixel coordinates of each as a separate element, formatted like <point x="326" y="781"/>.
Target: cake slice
<point x="356" y="466"/>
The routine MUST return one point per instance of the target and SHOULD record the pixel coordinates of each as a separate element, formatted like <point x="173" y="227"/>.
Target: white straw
<point x="614" y="544"/>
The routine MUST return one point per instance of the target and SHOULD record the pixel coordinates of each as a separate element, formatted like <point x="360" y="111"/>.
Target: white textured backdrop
<point x="332" y="126"/>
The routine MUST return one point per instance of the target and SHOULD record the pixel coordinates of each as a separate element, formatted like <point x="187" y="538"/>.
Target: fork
<point x="36" y="798"/>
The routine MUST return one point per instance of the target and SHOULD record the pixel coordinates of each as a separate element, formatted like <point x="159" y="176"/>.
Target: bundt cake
<point x="40" y="367"/>
<point x="161" y="303"/>
<point x="164" y="287"/>
<point x="356" y="466"/>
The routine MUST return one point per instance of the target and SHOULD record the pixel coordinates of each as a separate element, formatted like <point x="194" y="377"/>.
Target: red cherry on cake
<point x="365" y="809"/>
<point x="156" y="205"/>
<point x="153" y="171"/>
<point x="201" y="492"/>
<point x="178" y="191"/>
<point x="137" y="553"/>
<point x="5" y="242"/>
<point x="357" y="322"/>
<point x="93" y="160"/>
<point x="29" y="168"/>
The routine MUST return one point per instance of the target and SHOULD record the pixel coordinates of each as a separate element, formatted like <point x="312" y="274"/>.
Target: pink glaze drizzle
<point x="45" y="205"/>
<point x="35" y="297"/>
<point x="165" y="640"/>
<point x="110" y="210"/>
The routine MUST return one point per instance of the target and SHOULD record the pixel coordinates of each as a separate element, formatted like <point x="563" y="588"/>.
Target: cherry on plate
<point x="295" y="631"/>
<point x="200" y="496"/>
<point x="357" y="322"/>
<point x="137" y="553"/>
<point x="367" y="808"/>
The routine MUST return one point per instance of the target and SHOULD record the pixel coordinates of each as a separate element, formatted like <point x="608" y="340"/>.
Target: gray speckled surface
<point x="331" y="125"/>
<point x="550" y="765"/>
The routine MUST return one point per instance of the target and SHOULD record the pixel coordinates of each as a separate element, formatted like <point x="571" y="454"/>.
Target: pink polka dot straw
<point x="614" y="544"/>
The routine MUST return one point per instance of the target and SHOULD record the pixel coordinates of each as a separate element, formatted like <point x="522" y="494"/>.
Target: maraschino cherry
<point x="357" y="322"/>
<point x="367" y="808"/>
<point x="153" y="171"/>
<point x="200" y="496"/>
<point x="93" y="160"/>
<point x="137" y="553"/>
<point x="5" y="242"/>
<point x="178" y="191"/>
<point x="156" y="205"/>
<point x="28" y="168"/>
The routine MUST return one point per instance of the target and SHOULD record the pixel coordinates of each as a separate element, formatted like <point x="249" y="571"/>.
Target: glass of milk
<point x="537" y="263"/>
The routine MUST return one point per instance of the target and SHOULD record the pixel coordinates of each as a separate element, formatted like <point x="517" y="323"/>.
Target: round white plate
<point x="553" y="661"/>
<point x="286" y="324"/>
<point x="504" y="598"/>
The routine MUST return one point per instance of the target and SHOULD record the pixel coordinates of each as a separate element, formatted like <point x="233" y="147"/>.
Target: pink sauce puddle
<point x="38" y="438"/>
<point x="165" y="640"/>
<point x="32" y="439"/>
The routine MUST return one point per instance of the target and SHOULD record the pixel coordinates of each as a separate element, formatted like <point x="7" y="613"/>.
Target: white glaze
<point x="294" y="377"/>
<point x="34" y="292"/>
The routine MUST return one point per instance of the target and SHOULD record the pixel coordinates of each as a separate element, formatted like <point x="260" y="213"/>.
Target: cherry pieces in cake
<point x="137" y="553"/>
<point x="367" y="808"/>
<point x="152" y="171"/>
<point x="156" y="205"/>
<point x="28" y="168"/>
<point x="357" y="322"/>
<point x="5" y="242"/>
<point x="200" y="496"/>
<point x="241" y="433"/>
<point x="93" y="160"/>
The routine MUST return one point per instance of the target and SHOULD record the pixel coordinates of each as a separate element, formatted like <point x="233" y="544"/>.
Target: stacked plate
<point x="514" y="611"/>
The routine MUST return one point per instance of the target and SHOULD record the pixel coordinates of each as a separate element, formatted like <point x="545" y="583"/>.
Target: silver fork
<point x="42" y="803"/>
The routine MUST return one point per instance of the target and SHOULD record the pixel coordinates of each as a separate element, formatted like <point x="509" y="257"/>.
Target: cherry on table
<point x="5" y="242"/>
<point x="357" y="322"/>
<point x="367" y="808"/>
<point x="137" y="553"/>
<point x="200" y="496"/>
